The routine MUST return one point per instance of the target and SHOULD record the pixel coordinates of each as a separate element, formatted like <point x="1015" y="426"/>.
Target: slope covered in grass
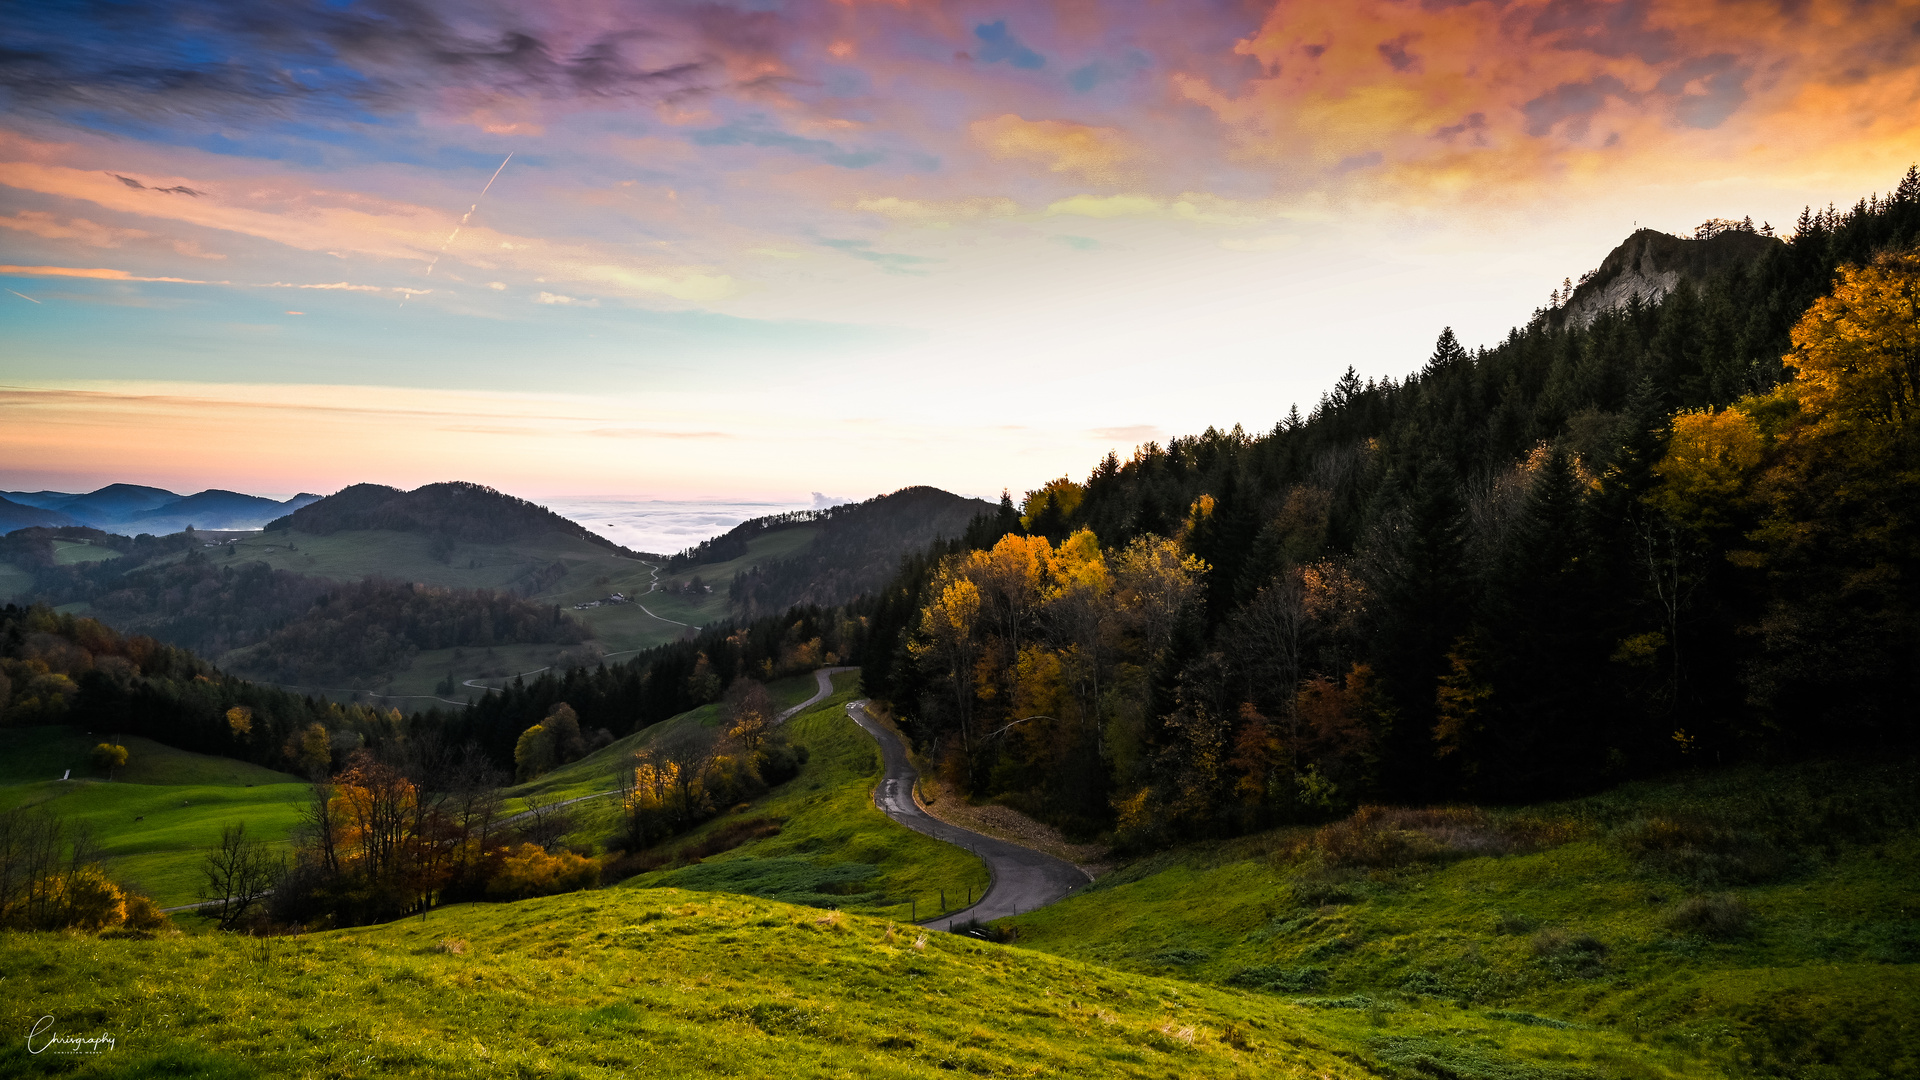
<point x="1763" y="921"/>
<point x="657" y="983"/>
<point x="834" y="847"/>
<point x="160" y="813"/>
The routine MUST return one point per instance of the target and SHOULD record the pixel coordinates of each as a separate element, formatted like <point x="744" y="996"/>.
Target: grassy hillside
<point x="68" y="552"/>
<point x="832" y="841"/>
<point x="831" y="844"/>
<point x="33" y="754"/>
<point x="623" y="982"/>
<point x="1748" y="920"/>
<point x="160" y="813"/>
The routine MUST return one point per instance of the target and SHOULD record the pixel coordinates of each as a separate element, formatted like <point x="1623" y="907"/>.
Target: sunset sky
<point x="758" y="249"/>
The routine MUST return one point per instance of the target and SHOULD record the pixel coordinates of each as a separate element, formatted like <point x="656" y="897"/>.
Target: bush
<point x="1569" y="955"/>
<point x="1388" y="836"/>
<point x="144" y="915"/>
<point x="529" y="871"/>
<point x="1700" y="849"/>
<point x="1278" y="979"/>
<point x="1508" y="922"/>
<point x="1722" y="917"/>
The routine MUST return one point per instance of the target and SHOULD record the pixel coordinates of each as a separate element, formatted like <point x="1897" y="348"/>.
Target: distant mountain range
<point x="131" y="509"/>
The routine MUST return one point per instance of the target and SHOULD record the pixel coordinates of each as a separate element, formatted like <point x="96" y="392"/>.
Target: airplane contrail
<point x="469" y="214"/>
<point x="463" y="219"/>
<point x="24" y="296"/>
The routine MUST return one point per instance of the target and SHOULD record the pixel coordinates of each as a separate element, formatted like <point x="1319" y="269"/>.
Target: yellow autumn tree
<point x="1856" y="352"/>
<point x="1710" y="458"/>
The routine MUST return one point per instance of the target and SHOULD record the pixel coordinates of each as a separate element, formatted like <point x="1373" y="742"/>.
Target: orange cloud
<point x="1478" y="99"/>
<point x="1097" y="154"/>
<point x="100" y="273"/>
<point x="320" y="220"/>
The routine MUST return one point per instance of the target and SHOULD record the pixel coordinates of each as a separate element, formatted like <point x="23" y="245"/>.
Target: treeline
<point x="381" y="625"/>
<point x="454" y="512"/>
<point x="664" y="681"/>
<point x="298" y="628"/>
<point x="1523" y="571"/>
<point x="732" y="544"/>
<point x="63" y="669"/>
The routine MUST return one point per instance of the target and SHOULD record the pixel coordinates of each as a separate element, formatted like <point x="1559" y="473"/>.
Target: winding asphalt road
<point x="1023" y="879"/>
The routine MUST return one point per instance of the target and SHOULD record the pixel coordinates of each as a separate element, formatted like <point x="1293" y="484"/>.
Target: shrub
<point x="1703" y="850"/>
<point x="1387" y="836"/>
<point x="1278" y="979"/>
<point x="91" y="902"/>
<point x="1180" y="957"/>
<point x="529" y="871"/>
<point x="144" y="915"/>
<point x="1508" y="922"/>
<point x="1570" y="955"/>
<point x="1557" y="942"/>
<point x="1722" y="917"/>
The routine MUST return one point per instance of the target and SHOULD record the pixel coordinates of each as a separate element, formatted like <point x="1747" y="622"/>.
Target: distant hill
<point x="214" y="509"/>
<point x="1649" y="265"/>
<point x="131" y="509"/>
<point x="455" y="512"/>
<point x="16" y="515"/>
<point x="856" y="547"/>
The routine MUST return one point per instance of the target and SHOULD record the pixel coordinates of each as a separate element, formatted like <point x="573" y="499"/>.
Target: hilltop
<point x="847" y="550"/>
<point x="451" y="512"/>
<point x="1650" y="265"/>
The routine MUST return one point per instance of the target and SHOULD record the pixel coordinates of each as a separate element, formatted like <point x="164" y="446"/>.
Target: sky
<point x="751" y="250"/>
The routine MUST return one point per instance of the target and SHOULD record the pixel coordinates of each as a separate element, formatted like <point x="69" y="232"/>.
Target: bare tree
<point x="237" y="874"/>
<point x="546" y="820"/>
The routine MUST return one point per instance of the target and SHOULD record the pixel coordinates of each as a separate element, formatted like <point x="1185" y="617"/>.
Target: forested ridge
<point x="452" y="512"/>
<point x="297" y="628"/>
<point x="1586" y="553"/>
<point x="855" y="549"/>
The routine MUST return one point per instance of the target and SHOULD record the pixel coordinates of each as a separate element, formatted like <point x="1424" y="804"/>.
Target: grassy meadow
<point x="1752" y="922"/>
<point x="817" y="838"/>
<point x="157" y="817"/>
<point x="69" y="552"/>
<point x="1748" y="922"/>
<point x="632" y="982"/>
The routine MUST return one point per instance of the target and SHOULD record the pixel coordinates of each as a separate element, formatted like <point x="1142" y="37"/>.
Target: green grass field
<point x="1817" y="963"/>
<point x="830" y="830"/>
<point x="632" y="982"/>
<point x="1743" y="923"/>
<point x="69" y="552"/>
<point x="161" y="812"/>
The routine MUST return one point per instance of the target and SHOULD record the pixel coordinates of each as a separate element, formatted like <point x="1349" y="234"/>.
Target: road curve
<point x="1023" y="879"/>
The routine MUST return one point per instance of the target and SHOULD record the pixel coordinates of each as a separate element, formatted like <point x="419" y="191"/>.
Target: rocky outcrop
<point x="1650" y="265"/>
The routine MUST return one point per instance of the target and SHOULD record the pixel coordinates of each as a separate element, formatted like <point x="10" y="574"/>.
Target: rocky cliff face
<point x="1651" y="264"/>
